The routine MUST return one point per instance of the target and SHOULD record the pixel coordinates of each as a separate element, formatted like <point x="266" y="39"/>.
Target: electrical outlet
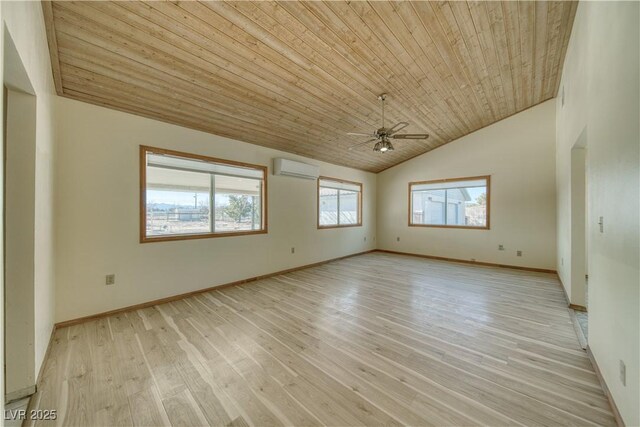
<point x="293" y="250"/>
<point x="623" y="373"/>
<point x="601" y="224"/>
<point x="398" y="239"/>
<point x="365" y="238"/>
<point x="110" y="279"/>
<point x="501" y="247"/>
<point x="518" y="253"/>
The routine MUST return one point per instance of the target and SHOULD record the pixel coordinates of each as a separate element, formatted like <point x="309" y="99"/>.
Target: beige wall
<point x="98" y="216"/>
<point x="518" y="153"/>
<point x="20" y="242"/>
<point x="24" y="22"/>
<point x="601" y="87"/>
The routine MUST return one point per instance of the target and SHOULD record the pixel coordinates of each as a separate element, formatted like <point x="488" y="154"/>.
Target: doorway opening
<point x="579" y="236"/>
<point x="19" y="155"/>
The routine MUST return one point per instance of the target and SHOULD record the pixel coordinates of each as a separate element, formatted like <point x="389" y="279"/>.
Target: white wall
<point x="518" y="153"/>
<point x="601" y="86"/>
<point x="19" y="241"/>
<point x="24" y="22"/>
<point x="98" y="216"/>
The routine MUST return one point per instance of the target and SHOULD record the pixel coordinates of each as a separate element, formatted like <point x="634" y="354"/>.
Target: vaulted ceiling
<point x="297" y="76"/>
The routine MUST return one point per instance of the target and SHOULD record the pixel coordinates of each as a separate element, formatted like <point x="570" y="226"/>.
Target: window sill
<point x="145" y="239"/>
<point x="324" y="227"/>
<point x="465" y="227"/>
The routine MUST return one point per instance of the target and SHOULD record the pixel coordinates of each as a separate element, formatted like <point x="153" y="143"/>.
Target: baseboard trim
<point x="607" y="393"/>
<point x="577" y="307"/>
<point x="466" y="261"/>
<point x="83" y="319"/>
<point x="19" y="394"/>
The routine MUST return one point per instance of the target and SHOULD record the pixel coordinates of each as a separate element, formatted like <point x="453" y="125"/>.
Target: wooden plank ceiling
<point x="297" y="76"/>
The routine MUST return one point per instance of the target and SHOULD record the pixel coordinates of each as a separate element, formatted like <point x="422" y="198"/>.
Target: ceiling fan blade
<point x="359" y="134"/>
<point x="411" y="136"/>
<point x="361" y="144"/>
<point x="397" y="127"/>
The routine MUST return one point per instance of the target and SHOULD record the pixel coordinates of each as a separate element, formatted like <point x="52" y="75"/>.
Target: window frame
<point x="341" y="181"/>
<point x="143" y="196"/>
<point x="487" y="226"/>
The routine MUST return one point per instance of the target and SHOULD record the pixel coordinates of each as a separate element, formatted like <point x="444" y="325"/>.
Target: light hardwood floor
<point x="377" y="339"/>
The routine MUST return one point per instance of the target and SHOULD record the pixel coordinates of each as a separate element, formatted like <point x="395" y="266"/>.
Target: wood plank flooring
<point x="377" y="339"/>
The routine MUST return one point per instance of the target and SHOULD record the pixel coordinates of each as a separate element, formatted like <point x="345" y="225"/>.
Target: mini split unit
<point x="297" y="169"/>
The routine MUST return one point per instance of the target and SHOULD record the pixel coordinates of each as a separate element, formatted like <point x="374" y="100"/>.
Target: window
<point x="339" y="203"/>
<point x="457" y="203"/>
<point x="186" y="196"/>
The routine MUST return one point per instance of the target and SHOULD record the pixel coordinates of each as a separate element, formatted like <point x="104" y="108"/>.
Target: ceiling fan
<point x="384" y="135"/>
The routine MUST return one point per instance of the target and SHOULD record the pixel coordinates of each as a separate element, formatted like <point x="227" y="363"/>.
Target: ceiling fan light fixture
<point x="383" y="146"/>
<point x="389" y="146"/>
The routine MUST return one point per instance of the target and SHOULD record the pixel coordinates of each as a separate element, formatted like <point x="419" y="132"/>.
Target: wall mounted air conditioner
<point x="292" y="168"/>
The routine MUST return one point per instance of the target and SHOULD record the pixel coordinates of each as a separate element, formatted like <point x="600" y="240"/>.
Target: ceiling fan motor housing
<point x="382" y="132"/>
